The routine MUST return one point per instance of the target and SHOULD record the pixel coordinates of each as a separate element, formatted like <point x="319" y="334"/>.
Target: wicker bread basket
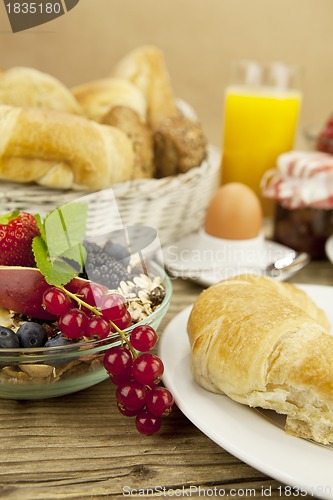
<point x="174" y="206"/>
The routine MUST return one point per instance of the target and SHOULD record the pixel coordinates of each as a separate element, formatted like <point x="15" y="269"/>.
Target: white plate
<point x="221" y="259"/>
<point x="255" y="437"/>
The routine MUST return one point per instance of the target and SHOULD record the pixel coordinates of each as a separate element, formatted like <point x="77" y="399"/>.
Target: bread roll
<point x="255" y="341"/>
<point x="28" y="87"/>
<point x="98" y="97"/>
<point x="62" y="150"/>
<point x="145" y="67"/>
<point x="179" y="145"/>
<point x="127" y="120"/>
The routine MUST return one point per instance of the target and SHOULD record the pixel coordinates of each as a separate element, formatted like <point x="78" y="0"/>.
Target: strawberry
<point x="17" y="230"/>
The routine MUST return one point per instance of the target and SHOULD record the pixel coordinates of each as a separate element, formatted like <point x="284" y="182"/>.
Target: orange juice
<point x="259" y="125"/>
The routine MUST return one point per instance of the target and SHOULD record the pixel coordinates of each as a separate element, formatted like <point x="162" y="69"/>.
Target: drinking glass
<point x="262" y="105"/>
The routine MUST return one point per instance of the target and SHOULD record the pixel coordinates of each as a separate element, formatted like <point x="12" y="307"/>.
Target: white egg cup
<point x="222" y="252"/>
<point x="202" y="252"/>
<point x="208" y="260"/>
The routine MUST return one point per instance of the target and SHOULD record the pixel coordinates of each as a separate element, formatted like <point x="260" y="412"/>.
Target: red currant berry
<point x="125" y="411"/>
<point x="143" y="338"/>
<point x="132" y="395"/>
<point x="73" y="323"/>
<point x="159" y="401"/>
<point x="123" y="322"/>
<point x="148" y="369"/>
<point x="55" y="301"/>
<point x="118" y="361"/>
<point x="121" y="379"/>
<point x="97" y="327"/>
<point x="146" y="423"/>
<point x="92" y="293"/>
<point x="113" y="306"/>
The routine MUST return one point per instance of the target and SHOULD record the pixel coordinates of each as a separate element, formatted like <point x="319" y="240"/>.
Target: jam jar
<point x="302" y="187"/>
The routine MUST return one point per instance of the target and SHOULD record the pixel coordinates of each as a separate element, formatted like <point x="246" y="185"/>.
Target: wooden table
<point x="80" y="446"/>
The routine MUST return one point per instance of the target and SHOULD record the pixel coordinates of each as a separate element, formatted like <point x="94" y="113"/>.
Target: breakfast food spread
<point x="98" y="134"/>
<point x="266" y="344"/>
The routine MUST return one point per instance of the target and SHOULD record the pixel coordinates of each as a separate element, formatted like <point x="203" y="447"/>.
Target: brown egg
<point x="235" y="213"/>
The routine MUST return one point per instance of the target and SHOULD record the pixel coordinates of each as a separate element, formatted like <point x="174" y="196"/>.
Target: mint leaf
<point x="78" y="254"/>
<point x="59" y="252"/>
<point x="40" y="226"/>
<point x="65" y="228"/>
<point x="56" y="272"/>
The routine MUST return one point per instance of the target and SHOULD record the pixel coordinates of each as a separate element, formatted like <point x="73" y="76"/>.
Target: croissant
<point x="62" y="150"/>
<point x="266" y="344"/>
<point x="28" y="87"/>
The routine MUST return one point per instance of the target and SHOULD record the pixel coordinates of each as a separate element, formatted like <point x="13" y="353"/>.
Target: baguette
<point x="62" y="150"/>
<point x="266" y="344"/>
<point x="28" y="87"/>
<point x="145" y="67"/>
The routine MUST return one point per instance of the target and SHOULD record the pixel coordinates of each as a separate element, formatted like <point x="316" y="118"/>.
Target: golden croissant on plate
<point x="266" y="344"/>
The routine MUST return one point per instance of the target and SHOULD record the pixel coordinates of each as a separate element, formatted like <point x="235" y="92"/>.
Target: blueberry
<point x="31" y="334"/>
<point x="8" y="338"/>
<point x="58" y="341"/>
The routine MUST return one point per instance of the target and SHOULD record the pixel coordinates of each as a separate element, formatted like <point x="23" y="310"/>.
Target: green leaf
<point x="6" y="218"/>
<point x="56" y="272"/>
<point x="58" y="251"/>
<point x="65" y="228"/>
<point x="78" y="254"/>
<point x="40" y="225"/>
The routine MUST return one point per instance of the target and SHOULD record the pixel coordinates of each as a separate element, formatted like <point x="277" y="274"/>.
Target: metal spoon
<point x="290" y="263"/>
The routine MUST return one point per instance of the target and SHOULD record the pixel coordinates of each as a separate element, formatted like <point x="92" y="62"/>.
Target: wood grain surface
<point x="79" y="446"/>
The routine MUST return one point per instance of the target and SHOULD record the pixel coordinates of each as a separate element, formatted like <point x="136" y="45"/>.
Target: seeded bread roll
<point x="62" y="150"/>
<point x="179" y="145"/>
<point x="255" y="341"/>
<point x="98" y="97"/>
<point x="28" y="87"/>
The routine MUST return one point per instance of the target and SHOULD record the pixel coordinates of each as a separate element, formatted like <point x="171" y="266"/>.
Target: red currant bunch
<point x="92" y="312"/>
<point x="137" y="375"/>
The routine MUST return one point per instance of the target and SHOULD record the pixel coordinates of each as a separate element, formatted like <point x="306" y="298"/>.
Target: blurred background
<point x="200" y="38"/>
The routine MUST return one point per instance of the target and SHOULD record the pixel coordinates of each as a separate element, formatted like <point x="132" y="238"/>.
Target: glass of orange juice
<point x="262" y="105"/>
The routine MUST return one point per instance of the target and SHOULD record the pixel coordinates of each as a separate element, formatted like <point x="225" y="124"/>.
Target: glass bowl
<point x="46" y="372"/>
